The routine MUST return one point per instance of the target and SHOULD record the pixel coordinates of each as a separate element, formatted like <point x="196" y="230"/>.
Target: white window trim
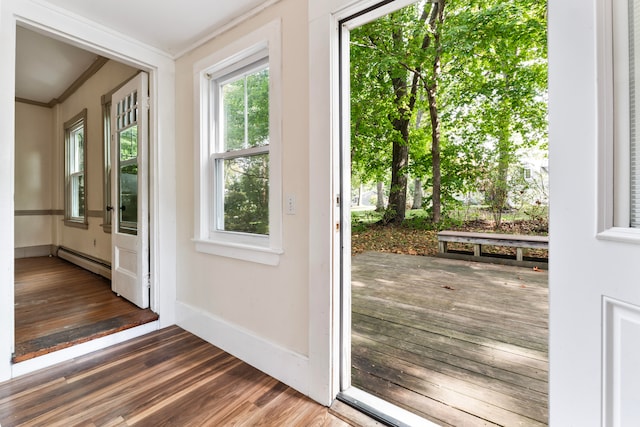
<point x="254" y="248"/>
<point x="79" y="119"/>
<point x="614" y="153"/>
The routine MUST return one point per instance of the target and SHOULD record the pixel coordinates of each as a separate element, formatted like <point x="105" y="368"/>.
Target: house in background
<point x="275" y="303"/>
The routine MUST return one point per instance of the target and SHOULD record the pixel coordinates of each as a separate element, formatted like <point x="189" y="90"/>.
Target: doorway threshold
<point x="69" y="353"/>
<point x="60" y="340"/>
<point x="381" y="410"/>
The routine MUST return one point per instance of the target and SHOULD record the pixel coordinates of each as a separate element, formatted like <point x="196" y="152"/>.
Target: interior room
<point x="77" y="80"/>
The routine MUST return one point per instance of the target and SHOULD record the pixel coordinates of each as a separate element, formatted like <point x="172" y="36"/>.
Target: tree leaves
<point x="485" y="61"/>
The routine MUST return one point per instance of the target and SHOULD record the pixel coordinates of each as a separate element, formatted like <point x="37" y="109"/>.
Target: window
<point x="75" y="171"/>
<point x="619" y="186"/>
<point x="127" y="151"/>
<point x="633" y="89"/>
<point x="238" y="212"/>
<point x="240" y="160"/>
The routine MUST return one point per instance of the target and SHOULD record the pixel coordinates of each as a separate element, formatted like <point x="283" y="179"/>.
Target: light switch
<point x="290" y="204"/>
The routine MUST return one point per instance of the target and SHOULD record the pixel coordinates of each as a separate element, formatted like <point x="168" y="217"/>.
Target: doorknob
<point x="109" y="208"/>
<point x="123" y="208"/>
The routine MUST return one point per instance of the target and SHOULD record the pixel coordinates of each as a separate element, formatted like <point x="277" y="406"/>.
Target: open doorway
<point x="63" y="227"/>
<point x="446" y="110"/>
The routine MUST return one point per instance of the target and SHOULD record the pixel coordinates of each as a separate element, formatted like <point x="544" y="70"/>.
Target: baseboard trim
<point x="284" y="365"/>
<point x="34" y="251"/>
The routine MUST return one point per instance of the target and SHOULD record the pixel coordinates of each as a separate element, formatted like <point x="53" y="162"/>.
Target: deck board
<point x="458" y="342"/>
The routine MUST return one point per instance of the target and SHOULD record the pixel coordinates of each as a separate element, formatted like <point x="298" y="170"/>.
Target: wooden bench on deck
<point x="517" y="241"/>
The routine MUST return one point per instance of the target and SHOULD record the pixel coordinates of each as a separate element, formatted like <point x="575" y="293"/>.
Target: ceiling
<point x="45" y="67"/>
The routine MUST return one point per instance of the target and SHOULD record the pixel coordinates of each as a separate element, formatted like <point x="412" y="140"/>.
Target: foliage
<point x="246" y="176"/>
<point x="418" y="235"/>
<point x="477" y="69"/>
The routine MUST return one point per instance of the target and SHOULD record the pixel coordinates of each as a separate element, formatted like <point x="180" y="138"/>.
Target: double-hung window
<point x="240" y="158"/>
<point x="239" y="198"/>
<point x="75" y="171"/>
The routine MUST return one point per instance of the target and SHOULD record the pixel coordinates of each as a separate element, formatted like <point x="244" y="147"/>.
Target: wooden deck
<point x="457" y="342"/>
<point x="58" y="304"/>
<point x="166" y="378"/>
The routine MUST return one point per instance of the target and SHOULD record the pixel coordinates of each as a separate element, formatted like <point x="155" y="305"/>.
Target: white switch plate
<point x="290" y="207"/>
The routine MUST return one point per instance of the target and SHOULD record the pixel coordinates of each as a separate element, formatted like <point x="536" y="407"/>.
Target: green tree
<point x="478" y="68"/>
<point x="496" y="83"/>
<point x="387" y="57"/>
<point x="246" y="177"/>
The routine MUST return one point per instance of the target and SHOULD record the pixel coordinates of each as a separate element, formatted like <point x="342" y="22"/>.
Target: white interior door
<point x="130" y="191"/>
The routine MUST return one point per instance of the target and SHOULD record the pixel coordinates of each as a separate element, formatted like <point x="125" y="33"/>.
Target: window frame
<point x="70" y="126"/>
<point x="218" y="152"/>
<point x="262" y="46"/>
<point x="106" y="162"/>
<point x="614" y="151"/>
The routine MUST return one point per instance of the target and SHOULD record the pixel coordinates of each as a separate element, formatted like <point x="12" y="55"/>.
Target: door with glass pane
<point x="129" y="191"/>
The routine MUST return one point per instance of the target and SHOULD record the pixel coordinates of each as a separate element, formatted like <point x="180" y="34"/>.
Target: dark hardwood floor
<point x="166" y="378"/>
<point x="58" y="304"/>
<point x="460" y="343"/>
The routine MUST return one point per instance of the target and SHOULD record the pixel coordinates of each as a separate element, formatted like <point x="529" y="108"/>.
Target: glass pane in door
<point x="128" y="179"/>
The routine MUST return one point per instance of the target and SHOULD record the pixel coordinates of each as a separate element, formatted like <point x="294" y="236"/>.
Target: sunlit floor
<point x="457" y="342"/>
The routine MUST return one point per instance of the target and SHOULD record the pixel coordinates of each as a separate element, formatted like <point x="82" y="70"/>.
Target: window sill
<point x="76" y="224"/>
<point x="620" y="234"/>
<point x="257" y="254"/>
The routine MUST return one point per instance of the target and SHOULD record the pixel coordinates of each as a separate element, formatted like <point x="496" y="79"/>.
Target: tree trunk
<point x="380" y="201"/>
<point x="501" y="184"/>
<point x="405" y="100"/>
<point x="417" y="194"/>
<point x="504" y="150"/>
<point x="435" y="22"/>
<point x="435" y="154"/>
<point x="398" y="191"/>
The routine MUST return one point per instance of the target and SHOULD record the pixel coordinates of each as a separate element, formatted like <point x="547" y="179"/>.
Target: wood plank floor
<point x="167" y="378"/>
<point x="457" y="342"/>
<point x="58" y="304"/>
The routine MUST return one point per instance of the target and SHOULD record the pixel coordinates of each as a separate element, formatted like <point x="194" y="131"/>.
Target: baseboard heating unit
<point x="87" y="262"/>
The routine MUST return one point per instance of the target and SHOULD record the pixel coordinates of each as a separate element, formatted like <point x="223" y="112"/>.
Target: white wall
<point x="232" y="298"/>
<point x="33" y="174"/>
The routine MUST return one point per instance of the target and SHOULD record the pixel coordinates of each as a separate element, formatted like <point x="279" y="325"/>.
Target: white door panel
<point x="130" y="183"/>
<point x="594" y="271"/>
<point x="621" y="356"/>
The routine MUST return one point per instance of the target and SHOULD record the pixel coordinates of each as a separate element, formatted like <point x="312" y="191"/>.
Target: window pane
<point x="233" y="110"/>
<point x="77" y="149"/>
<point x="128" y="195"/>
<point x="258" y="108"/>
<point x="634" y="90"/>
<point x="77" y="194"/>
<point x="129" y="143"/>
<point x="245" y="111"/>
<point x="246" y="194"/>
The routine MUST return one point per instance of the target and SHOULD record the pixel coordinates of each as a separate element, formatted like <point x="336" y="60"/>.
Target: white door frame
<point x="161" y="68"/>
